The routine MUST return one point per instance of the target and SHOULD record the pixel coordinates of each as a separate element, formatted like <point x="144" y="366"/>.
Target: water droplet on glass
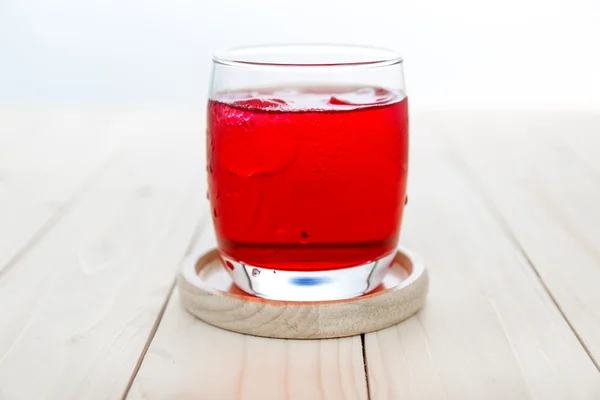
<point x="255" y="272"/>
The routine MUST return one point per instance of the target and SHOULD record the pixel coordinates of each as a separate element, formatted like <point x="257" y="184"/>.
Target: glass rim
<point x="303" y="55"/>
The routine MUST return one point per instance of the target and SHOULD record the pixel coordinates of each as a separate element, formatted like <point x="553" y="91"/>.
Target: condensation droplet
<point x="255" y="272"/>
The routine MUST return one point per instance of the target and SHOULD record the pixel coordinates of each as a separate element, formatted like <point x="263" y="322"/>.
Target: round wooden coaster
<point x="206" y="291"/>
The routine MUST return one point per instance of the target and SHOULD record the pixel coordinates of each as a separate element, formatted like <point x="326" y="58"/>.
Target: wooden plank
<point x="580" y="139"/>
<point x="189" y="359"/>
<point x="489" y="330"/>
<point x="542" y="178"/>
<point x="45" y="160"/>
<point x="21" y="217"/>
<point x="76" y="311"/>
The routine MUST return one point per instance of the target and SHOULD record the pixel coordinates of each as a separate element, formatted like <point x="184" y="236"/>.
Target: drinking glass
<point x="307" y="155"/>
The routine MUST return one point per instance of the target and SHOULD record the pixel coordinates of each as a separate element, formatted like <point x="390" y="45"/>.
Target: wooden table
<point x="98" y="207"/>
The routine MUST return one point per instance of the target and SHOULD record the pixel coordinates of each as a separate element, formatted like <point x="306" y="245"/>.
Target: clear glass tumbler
<point x="307" y="155"/>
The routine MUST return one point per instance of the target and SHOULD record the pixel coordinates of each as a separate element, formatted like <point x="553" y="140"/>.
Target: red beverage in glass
<point x="307" y="178"/>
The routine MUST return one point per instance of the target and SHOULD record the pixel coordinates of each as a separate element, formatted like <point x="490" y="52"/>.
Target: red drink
<point x="307" y="179"/>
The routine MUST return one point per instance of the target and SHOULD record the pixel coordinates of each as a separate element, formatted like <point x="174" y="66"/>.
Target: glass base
<point x="335" y="284"/>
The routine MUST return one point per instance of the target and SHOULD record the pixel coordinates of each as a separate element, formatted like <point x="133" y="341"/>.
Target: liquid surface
<point x="307" y="178"/>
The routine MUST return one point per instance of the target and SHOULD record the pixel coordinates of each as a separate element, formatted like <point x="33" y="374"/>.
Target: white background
<point x="507" y="54"/>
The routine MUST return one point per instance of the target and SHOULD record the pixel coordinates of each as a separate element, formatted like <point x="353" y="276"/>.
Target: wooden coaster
<point x="207" y="291"/>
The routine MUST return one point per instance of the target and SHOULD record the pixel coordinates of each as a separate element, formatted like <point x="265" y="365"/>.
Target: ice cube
<point x="285" y="92"/>
<point x="361" y="97"/>
<point x="367" y="91"/>
<point x="337" y="101"/>
<point x="262" y="103"/>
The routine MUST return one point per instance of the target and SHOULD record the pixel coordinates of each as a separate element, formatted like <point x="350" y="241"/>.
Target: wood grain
<point x="489" y="329"/>
<point x="189" y="359"/>
<point x="541" y="177"/>
<point x="77" y="310"/>
<point x="45" y="161"/>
